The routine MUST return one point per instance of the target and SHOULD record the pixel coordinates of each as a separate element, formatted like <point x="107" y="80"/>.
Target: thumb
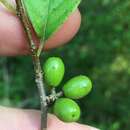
<point x="16" y="119"/>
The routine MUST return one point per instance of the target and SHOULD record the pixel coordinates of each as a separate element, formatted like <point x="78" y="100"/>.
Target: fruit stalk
<point x="36" y="61"/>
<point x="53" y="96"/>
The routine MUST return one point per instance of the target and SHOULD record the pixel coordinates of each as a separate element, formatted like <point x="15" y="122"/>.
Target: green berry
<point x="77" y="87"/>
<point x="66" y="110"/>
<point x="53" y="71"/>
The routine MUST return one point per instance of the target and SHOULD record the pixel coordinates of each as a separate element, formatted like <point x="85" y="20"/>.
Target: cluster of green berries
<point x="66" y="108"/>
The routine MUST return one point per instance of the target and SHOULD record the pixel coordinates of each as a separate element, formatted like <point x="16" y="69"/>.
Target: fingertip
<point x="13" y="40"/>
<point x="12" y="119"/>
<point x="66" y="32"/>
<point x="55" y="124"/>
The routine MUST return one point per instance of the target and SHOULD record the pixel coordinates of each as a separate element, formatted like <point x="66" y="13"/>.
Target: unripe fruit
<point x="77" y="87"/>
<point x="66" y="110"/>
<point x="53" y="71"/>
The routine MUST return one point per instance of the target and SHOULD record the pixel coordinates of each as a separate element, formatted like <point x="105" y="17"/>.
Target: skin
<point x="13" y="42"/>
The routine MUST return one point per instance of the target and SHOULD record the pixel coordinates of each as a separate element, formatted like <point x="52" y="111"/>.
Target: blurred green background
<point x="100" y="50"/>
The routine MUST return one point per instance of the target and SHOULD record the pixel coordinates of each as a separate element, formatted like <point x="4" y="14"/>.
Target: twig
<point x="49" y="99"/>
<point x="36" y="61"/>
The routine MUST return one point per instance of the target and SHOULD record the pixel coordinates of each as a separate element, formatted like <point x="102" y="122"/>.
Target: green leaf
<point x="47" y="16"/>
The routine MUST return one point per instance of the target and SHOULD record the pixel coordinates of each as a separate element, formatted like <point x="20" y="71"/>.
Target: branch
<point x="36" y="61"/>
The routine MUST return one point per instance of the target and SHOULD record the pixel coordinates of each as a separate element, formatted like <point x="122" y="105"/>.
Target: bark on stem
<point x="36" y="61"/>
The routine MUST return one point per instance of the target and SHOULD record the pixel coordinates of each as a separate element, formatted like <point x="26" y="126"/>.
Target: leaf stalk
<point x="42" y="41"/>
